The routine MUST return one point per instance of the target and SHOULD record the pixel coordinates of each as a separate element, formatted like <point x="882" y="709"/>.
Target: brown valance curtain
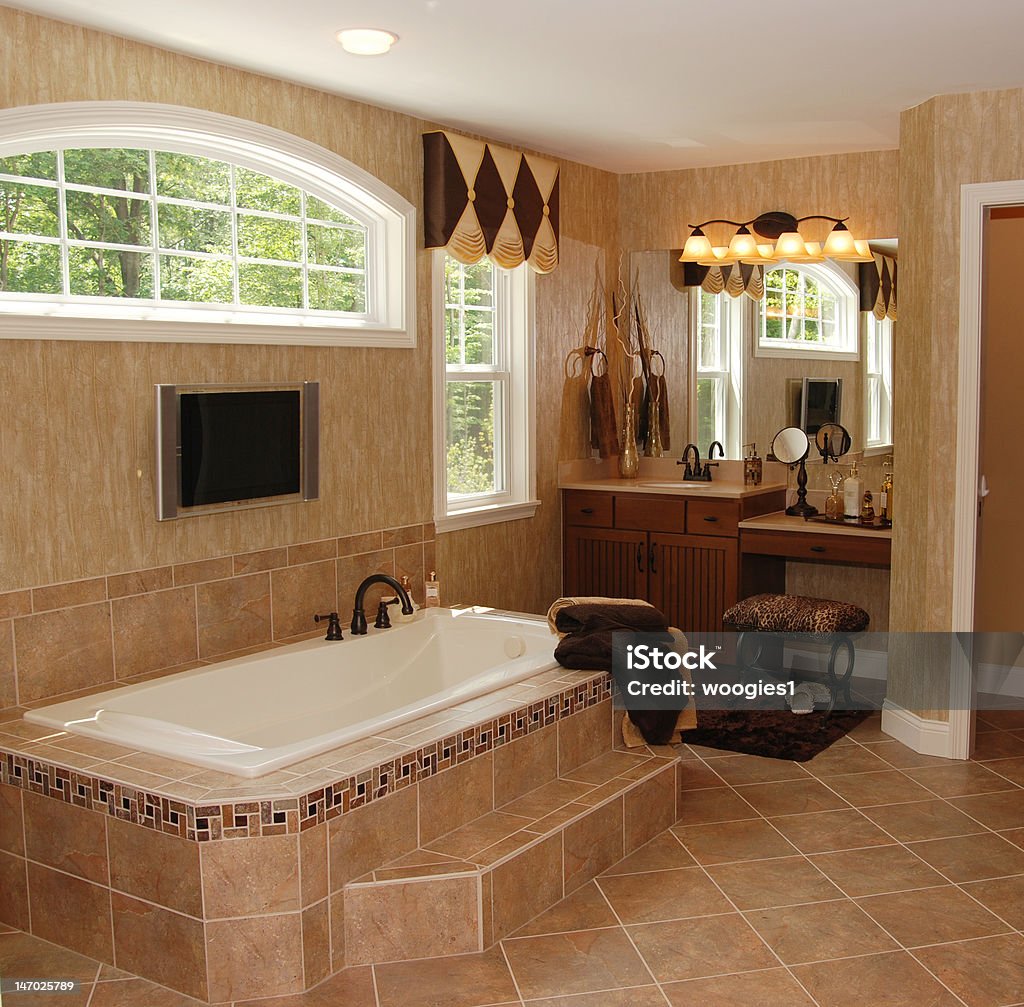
<point x="481" y="199"/>
<point x="878" y="287"/>
<point x="734" y="280"/>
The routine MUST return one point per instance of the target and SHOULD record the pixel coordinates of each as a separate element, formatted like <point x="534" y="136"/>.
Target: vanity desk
<point x="767" y="541"/>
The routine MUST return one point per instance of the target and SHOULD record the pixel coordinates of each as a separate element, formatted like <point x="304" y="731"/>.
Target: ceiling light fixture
<point x="366" y="41"/>
<point x="784" y="241"/>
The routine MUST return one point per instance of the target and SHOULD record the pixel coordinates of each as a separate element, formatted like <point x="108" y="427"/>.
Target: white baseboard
<point x="927" y="737"/>
<point x="867" y="664"/>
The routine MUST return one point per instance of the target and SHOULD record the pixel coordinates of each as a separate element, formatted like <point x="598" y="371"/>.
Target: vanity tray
<point x="876" y="525"/>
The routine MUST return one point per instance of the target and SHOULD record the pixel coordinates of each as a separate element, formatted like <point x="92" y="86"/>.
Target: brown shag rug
<point x="773" y="734"/>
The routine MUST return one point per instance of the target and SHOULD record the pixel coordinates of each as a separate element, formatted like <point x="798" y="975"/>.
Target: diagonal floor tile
<point x="585" y="909"/>
<point x="705" y="946"/>
<point x="349" y="988"/>
<point x="579" y="962"/>
<point x="961" y="779"/>
<point x="662" y="853"/>
<point x="1005" y="897"/>
<point x="768" y="988"/>
<point x="819" y="932"/>
<point x="723" y="842"/>
<point x="739" y="769"/>
<point x="972" y="858"/>
<point x="931" y="916"/>
<point x="762" y="884"/>
<point x="839" y="760"/>
<point x="984" y="973"/>
<point x="828" y="831"/>
<point x="721" y="804"/>
<point x="895" y="979"/>
<point x="663" y="895"/>
<point x="791" y="797"/>
<point x="877" y="870"/>
<point x="1004" y="810"/>
<point x="924" y="820"/>
<point x="457" y="981"/>
<point x="635" y="996"/>
<point x="864" y="790"/>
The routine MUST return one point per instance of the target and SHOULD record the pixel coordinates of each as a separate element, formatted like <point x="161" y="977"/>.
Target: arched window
<point x="115" y="214"/>
<point x="808" y="309"/>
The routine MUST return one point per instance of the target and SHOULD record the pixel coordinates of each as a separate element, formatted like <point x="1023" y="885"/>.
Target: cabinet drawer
<point x="583" y="507"/>
<point x="816" y="546"/>
<point x="712" y="517"/>
<point x="650" y="513"/>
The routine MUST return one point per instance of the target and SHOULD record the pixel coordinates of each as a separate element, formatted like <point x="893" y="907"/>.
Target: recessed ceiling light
<point x="366" y="41"/>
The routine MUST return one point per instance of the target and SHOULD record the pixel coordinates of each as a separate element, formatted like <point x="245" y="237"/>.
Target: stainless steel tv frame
<point x="168" y="447"/>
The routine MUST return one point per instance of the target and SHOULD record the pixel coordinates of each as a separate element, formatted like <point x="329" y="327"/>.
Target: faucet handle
<point x="383" y="621"/>
<point x="333" y="625"/>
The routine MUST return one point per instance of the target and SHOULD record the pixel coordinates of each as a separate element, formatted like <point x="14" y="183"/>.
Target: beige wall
<point x="946" y="142"/>
<point x="76" y="417"/>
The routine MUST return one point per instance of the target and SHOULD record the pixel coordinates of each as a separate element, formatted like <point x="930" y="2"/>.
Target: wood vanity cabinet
<point x="679" y="553"/>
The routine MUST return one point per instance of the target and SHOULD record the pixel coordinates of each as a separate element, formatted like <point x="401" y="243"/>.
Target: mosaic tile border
<point x="251" y="819"/>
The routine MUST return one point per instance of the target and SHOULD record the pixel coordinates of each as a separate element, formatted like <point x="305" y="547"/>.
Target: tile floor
<point x="869" y="875"/>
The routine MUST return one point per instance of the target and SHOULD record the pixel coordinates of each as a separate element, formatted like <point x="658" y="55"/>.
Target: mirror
<point x="767" y="396"/>
<point x="790" y="445"/>
<point x="832" y="441"/>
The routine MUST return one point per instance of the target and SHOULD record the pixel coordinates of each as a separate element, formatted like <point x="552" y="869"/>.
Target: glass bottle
<point x="629" y="459"/>
<point x="834" y="503"/>
<point x="654" y="447"/>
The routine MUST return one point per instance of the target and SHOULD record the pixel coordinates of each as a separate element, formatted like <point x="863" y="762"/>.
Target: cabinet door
<point x="599" y="561"/>
<point x="692" y="579"/>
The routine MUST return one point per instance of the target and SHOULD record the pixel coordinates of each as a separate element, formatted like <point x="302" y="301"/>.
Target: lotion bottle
<point x="432" y="592"/>
<point x="852" y="496"/>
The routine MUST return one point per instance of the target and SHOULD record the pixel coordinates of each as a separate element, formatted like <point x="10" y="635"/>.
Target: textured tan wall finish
<point x="656" y="207"/>
<point x="76" y="418"/>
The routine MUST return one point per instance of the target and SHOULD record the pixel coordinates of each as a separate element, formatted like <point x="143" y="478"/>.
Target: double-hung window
<point x="878" y="383"/>
<point x="717" y="320"/>
<point x="483" y="393"/>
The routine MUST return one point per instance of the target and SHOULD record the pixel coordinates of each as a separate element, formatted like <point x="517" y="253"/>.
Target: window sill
<point x="489" y="514"/>
<point x="877" y="450"/>
<point x="797" y="353"/>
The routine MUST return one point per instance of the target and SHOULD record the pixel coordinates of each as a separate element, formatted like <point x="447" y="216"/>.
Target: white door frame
<point x="975" y="200"/>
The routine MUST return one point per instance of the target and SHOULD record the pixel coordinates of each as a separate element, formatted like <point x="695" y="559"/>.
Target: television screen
<point x="239" y="446"/>
<point x="820" y="403"/>
<point x="224" y="446"/>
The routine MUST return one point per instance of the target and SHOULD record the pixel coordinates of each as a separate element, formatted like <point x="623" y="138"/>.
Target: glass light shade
<point x="790" y="245"/>
<point x="743" y="245"/>
<point x="366" y="41"/>
<point x="697" y="247"/>
<point x="864" y="253"/>
<point x="719" y="257"/>
<point x="839" y="244"/>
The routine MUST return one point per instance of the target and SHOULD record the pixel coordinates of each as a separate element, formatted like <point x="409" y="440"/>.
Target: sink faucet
<point x="709" y="464"/>
<point x="359" y="616"/>
<point x="694" y="471"/>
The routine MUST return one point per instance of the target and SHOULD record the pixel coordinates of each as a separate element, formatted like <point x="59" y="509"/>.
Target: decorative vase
<point x="654" y="447"/>
<point x="629" y="459"/>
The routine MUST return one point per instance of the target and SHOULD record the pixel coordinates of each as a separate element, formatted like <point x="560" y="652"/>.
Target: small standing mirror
<point x="792" y="446"/>
<point x="832" y="441"/>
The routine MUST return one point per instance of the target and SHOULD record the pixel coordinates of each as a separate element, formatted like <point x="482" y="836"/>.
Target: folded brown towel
<point x="593" y="617"/>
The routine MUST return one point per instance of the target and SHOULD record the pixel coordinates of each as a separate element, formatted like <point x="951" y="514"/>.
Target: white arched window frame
<point x="390" y="221"/>
<point x="844" y="345"/>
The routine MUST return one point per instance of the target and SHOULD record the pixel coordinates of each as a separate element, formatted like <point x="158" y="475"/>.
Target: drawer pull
<point x="817" y="548"/>
<point x="710" y="519"/>
<point x="586" y="510"/>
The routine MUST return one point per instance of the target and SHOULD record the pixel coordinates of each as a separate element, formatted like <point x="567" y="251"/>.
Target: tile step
<point x="466" y="890"/>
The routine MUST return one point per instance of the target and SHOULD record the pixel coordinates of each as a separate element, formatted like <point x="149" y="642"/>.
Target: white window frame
<point x="880" y="378"/>
<point x="730" y="376"/>
<point x="390" y="220"/>
<point x="514" y="430"/>
<point x="847" y="307"/>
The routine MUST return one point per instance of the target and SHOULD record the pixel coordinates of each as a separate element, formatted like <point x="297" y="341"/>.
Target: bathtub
<point x="255" y="714"/>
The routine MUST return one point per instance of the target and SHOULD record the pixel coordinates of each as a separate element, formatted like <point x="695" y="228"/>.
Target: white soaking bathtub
<point x="255" y="714"/>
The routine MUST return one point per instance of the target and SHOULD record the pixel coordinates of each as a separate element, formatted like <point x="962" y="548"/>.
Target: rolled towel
<point x="560" y="603"/>
<point x="596" y="616"/>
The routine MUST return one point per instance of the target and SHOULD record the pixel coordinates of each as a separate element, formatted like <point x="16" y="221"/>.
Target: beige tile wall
<point x="133" y="624"/>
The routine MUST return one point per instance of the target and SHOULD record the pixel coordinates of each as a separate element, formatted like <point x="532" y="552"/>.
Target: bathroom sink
<point x="677" y="484"/>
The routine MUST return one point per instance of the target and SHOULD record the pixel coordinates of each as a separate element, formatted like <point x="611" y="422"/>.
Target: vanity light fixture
<point x="773" y="237"/>
<point x="366" y="41"/>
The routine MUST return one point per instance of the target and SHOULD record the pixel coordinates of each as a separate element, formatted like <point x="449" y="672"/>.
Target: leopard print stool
<point x="818" y="619"/>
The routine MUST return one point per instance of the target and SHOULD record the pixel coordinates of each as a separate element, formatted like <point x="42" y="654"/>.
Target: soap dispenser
<point x="852" y="495"/>
<point x="885" y="496"/>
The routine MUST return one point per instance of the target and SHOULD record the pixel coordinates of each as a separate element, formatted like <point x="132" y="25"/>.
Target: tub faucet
<point x="333" y="625"/>
<point x="690" y="472"/>
<point x="359" y="615"/>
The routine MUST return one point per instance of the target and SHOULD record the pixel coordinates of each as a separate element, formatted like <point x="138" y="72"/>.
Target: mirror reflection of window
<point x="718" y="372"/>
<point x="878" y="383"/>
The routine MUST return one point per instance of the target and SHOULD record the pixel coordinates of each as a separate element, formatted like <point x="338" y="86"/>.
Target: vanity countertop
<point x="668" y="487"/>
<point x="781" y="521"/>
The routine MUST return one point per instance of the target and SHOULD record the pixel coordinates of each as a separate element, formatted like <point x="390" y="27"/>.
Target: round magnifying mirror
<point x="832" y="441"/>
<point x="790" y="445"/>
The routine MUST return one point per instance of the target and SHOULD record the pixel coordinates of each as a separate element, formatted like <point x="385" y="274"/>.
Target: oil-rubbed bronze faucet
<point x="690" y="472"/>
<point x="359" y="616"/>
<point x="333" y="625"/>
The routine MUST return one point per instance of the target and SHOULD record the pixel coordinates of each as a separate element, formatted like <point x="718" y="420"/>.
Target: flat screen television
<point x="821" y="402"/>
<point x="221" y="447"/>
